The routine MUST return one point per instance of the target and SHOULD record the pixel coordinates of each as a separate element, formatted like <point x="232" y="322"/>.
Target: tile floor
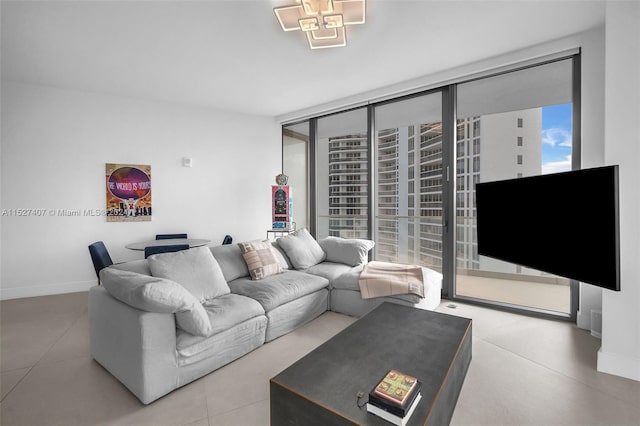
<point x="525" y="371"/>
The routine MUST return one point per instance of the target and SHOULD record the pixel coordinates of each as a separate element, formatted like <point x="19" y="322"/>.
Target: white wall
<point x="55" y="144"/>
<point x="620" y="351"/>
<point x="592" y="155"/>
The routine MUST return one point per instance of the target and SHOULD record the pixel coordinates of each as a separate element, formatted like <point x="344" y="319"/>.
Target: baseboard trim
<point x="45" y="290"/>
<point x="619" y="365"/>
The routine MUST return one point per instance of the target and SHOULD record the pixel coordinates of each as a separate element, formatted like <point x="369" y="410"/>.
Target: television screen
<point x="562" y="223"/>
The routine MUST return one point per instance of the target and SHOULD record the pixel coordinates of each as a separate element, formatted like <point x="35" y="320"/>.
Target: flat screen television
<point x="565" y="223"/>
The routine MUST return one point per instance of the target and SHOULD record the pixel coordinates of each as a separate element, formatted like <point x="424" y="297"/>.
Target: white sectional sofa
<point x="160" y="323"/>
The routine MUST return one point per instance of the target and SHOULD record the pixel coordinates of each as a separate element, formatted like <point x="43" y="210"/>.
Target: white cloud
<point x="556" y="136"/>
<point x="557" y="166"/>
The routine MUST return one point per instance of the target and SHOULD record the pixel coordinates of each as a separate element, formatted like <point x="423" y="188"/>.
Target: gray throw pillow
<point x="352" y="252"/>
<point x="153" y="294"/>
<point x="195" y="269"/>
<point x="302" y="249"/>
<point x="229" y="257"/>
<point x="283" y="260"/>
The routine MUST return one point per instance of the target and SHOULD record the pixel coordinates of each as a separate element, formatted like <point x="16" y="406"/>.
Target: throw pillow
<point x="302" y="249"/>
<point x="350" y="252"/>
<point x="285" y="264"/>
<point x="260" y="259"/>
<point x="195" y="269"/>
<point x="230" y="260"/>
<point x="153" y="294"/>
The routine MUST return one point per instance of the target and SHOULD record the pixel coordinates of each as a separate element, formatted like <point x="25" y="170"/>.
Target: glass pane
<point x="342" y="175"/>
<point x="408" y="149"/>
<point x="510" y="126"/>
<point x="295" y="154"/>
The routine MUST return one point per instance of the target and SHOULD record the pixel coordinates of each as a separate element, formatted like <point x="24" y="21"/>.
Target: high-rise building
<point x="409" y="194"/>
<point x="348" y="202"/>
<point x="409" y="182"/>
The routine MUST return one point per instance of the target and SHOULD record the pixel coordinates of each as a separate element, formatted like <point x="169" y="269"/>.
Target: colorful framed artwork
<point x="128" y="189"/>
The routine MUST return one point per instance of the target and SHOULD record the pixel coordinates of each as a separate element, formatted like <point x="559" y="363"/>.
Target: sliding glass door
<point x="408" y="181"/>
<point x="510" y="126"/>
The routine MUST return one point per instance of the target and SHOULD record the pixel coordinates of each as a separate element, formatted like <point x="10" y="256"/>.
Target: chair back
<point x="148" y="251"/>
<point x="99" y="256"/>
<point x="170" y="236"/>
<point x="227" y="240"/>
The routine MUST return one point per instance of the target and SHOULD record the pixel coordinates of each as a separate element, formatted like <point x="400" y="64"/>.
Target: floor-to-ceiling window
<point x="401" y="171"/>
<point x="408" y="181"/>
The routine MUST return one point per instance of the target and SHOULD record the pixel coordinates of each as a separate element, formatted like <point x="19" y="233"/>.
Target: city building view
<point x="408" y="190"/>
<point x="408" y="186"/>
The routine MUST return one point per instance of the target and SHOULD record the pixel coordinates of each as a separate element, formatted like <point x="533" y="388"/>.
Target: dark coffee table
<point x="322" y="387"/>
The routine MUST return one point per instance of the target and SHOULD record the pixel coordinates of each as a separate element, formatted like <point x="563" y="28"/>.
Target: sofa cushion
<point x="140" y="266"/>
<point x="349" y="279"/>
<point x="302" y="249"/>
<point x="154" y="294"/>
<point x="195" y="269"/>
<point x="212" y="352"/>
<point x="328" y="270"/>
<point x="260" y="259"/>
<point x="224" y="312"/>
<point x="351" y="252"/>
<point x="284" y="261"/>
<point x="230" y="259"/>
<point x="276" y="290"/>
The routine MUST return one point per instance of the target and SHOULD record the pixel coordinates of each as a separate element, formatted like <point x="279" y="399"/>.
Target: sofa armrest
<point x="137" y="347"/>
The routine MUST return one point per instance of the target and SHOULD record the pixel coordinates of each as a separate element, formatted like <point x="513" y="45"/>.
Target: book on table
<point x="395" y="393"/>
<point x="392" y="418"/>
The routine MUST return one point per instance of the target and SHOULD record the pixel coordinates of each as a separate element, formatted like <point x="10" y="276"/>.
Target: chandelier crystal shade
<point x="322" y="21"/>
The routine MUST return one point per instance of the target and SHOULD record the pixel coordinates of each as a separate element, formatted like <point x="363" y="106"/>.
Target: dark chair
<point x="100" y="257"/>
<point x="148" y="251"/>
<point x="227" y="240"/>
<point x="170" y="236"/>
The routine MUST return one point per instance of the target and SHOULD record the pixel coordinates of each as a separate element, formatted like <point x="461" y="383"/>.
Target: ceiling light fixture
<point x="322" y="21"/>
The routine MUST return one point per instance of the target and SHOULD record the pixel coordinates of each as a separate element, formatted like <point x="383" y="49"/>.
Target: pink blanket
<point x="380" y="279"/>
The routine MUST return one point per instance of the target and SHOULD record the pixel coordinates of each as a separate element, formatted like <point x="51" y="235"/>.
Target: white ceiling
<point x="232" y="55"/>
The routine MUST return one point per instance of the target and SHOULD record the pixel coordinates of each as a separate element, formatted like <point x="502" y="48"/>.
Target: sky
<point x="556" y="138"/>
